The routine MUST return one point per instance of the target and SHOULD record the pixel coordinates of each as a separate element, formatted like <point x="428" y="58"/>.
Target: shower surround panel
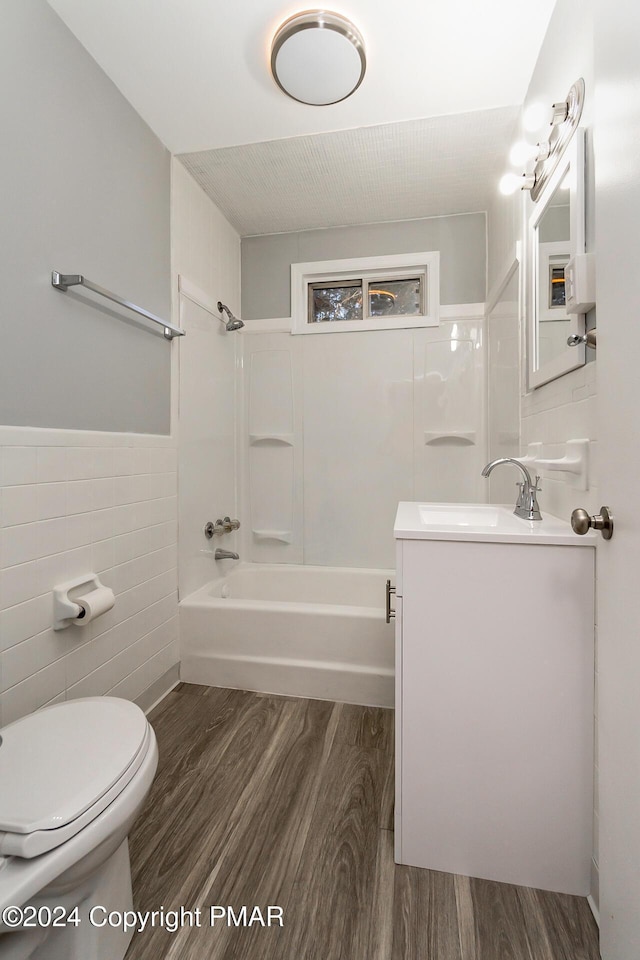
<point x="338" y="429"/>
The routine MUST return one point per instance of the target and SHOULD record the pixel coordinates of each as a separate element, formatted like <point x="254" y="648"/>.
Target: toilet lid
<point x="57" y="763"/>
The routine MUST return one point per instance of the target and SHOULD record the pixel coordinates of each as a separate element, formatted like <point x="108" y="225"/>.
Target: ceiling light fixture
<point x="318" y="57"/>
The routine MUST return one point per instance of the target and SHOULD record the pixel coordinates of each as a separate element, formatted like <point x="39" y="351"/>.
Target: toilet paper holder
<point x="66" y="606"/>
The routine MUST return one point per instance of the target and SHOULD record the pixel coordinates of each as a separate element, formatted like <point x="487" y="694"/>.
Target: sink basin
<point x="458" y="515"/>
<point x="481" y="521"/>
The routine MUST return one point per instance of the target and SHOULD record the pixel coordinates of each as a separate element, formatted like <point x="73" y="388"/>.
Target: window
<point x="375" y="293"/>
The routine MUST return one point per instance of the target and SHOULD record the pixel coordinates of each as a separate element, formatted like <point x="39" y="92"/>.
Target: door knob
<point x="603" y="521"/>
<point x="588" y="338"/>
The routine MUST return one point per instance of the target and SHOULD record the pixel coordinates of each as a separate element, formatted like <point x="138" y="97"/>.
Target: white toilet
<point x="73" y="778"/>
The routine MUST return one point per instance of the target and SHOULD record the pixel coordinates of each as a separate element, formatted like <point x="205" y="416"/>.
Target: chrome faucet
<point x="526" y="504"/>
<point x="225" y="555"/>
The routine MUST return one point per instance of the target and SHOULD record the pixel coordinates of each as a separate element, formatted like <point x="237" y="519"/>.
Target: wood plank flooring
<point x="263" y="800"/>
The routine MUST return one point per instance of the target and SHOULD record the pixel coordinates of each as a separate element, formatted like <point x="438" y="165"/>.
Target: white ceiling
<point x="425" y="134"/>
<point x="396" y="171"/>
<point x="197" y="70"/>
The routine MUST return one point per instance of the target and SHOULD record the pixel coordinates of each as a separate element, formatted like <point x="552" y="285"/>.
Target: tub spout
<point x="226" y="555"/>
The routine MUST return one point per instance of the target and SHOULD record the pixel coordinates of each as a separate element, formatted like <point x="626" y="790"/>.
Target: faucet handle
<point x="212" y="529"/>
<point x="230" y="525"/>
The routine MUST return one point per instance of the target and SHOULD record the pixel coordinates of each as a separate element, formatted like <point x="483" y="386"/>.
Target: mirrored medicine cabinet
<point x="555" y="235"/>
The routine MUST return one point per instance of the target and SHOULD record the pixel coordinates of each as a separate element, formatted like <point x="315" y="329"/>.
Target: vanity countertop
<point x="483" y="522"/>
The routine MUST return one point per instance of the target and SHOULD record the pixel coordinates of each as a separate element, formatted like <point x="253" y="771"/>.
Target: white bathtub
<point x="296" y="630"/>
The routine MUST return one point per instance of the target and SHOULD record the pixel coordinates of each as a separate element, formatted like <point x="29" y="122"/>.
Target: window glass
<point x="335" y="301"/>
<point x="395" y="297"/>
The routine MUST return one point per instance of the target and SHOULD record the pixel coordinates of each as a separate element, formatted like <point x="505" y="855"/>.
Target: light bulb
<point x="534" y="117"/>
<point x="510" y="183"/>
<point x="522" y="153"/>
<point x="514" y="181"/>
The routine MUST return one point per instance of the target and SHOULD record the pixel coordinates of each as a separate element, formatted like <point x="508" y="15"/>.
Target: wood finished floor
<point x="265" y="800"/>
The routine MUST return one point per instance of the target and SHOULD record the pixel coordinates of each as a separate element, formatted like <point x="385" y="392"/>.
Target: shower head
<point x="232" y="323"/>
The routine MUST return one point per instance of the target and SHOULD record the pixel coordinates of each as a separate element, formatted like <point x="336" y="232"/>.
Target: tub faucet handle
<point x="220" y="527"/>
<point x="212" y="529"/>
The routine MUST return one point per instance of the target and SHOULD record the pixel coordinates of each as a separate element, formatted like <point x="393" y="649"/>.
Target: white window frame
<point x="396" y="266"/>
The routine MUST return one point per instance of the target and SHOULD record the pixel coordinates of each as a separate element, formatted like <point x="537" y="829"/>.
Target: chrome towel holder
<point x="62" y="281"/>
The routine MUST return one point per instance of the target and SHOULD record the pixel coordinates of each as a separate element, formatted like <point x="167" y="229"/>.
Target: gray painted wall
<point x="85" y="189"/>
<point x="266" y="261"/>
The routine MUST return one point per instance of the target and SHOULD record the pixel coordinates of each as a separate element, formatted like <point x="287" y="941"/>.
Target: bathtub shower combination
<point x="307" y="631"/>
<point x="294" y="459"/>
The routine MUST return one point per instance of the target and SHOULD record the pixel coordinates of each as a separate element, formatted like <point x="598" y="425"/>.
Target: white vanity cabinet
<point x="494" y="696"/>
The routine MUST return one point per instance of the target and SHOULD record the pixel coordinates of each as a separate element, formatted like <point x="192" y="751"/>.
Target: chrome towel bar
<point x="62" y="281"/>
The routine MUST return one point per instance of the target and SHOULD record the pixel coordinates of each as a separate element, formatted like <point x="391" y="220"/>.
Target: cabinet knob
<point x="581" y="522"/>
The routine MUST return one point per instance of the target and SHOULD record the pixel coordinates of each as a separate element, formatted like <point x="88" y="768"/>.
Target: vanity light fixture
<point x="318" y="57"/>
<point x="545" y="155"/>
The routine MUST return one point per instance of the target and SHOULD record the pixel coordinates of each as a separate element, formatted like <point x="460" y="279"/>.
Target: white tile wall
<point x="564" y="410"/>
<point x="72" y="508"/>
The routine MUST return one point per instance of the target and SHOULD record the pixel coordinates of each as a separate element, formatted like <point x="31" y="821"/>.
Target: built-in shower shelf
<point x="283" y="536"/>
<point x="458" y="437"/>
<point x="286" y="439"/>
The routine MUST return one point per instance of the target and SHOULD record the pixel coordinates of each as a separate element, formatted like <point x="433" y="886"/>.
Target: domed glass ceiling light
<point x="318" y="57"/>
